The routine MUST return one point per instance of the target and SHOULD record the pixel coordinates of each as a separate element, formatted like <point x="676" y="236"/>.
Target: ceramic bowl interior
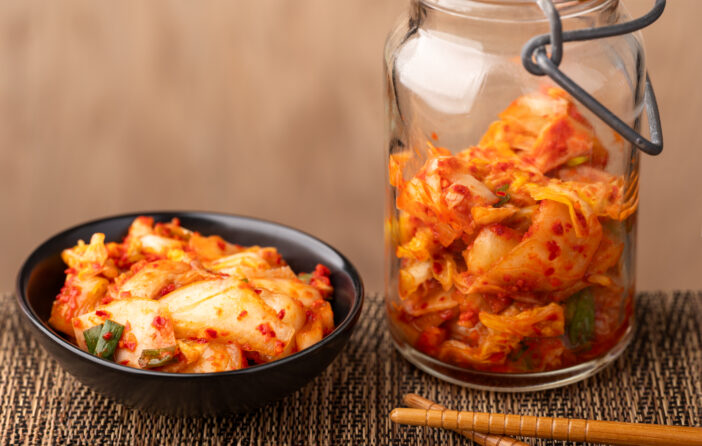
<point x="42" y="275"/>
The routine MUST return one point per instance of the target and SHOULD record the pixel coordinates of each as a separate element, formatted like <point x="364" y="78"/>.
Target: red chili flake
<point x="258" y="291"/>
<point x="159" y="322"/>
<point x="211" y="333"/>
<point x="106" y="300"/>
<point x="167" y="289"/>
<point x="266" y="330"/>
<point x="107" y="336"/>
<point x="499" y="229"/>
<point x="467" y="315"/>
<point x="501" y="193"/>
<point x="242" y="315"/>
<point x="102" y="313"/>
<point x="553" y="249"/>
<point x="281" y="314"/>
<point x="199" y="340"/>
<point x="321" y="270"/>
<point x="581" y="218"/>
<point x="446" y="314"/>
<point x="506" y="277"/>
<point x="69" y="293"/>
<point x="552" y="317"/>
<point x="434" y="136"/>
<point x="130" y="345"/>
<point x="125" y="294"/>
<point x="424" y="305"/>
<point x="437" y="267"/>
<point x="221" y="245"/>
<point x="68" y="271"/>
<point x="579" y="248"/>
<point x="124" y="362"/>
<point x="461" y="189"/>
<point x="77" y="323"/>
<point x="279" y="346"/>
<point x="555" y="282"/>
<point x="557" y="228"/>
<point x="548" y="272"/>
<point x="502" y="166"/>
<point x="310" y="316"/>
<point x="497" y="357"/>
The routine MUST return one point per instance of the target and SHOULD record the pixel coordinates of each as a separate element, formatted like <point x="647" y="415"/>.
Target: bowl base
<point x="510" y="382"/>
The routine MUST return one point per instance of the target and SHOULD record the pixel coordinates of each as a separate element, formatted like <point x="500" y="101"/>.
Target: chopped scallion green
<point x="109" y="338"/>
<point x="91" y="336"/>
<point x="157" y="357"/>
<point x="502" y="194"/>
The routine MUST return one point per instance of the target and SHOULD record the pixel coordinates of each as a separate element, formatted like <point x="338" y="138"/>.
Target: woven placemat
<point x="657" y="380"/>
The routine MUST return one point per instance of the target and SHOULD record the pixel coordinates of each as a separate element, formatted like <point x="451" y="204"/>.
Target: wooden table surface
<point x="658" y="379"/>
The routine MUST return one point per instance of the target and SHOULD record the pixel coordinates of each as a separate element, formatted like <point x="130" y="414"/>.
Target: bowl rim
<point x="346" y="324"/>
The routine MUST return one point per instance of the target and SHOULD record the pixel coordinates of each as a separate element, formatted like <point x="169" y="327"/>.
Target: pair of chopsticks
<point x="488" y="429"/>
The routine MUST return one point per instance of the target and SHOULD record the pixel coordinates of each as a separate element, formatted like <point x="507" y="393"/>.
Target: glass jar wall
<point x="510" y="215"/>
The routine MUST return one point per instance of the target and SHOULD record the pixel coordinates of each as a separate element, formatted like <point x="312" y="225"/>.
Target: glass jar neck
<point x="513" y="10"/>
<point x="503" y="26"/>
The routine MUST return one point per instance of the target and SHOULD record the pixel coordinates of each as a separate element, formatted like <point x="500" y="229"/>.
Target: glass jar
<point x="510" y="214"/>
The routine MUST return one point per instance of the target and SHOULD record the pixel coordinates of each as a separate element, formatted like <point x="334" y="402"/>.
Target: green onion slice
<point x="91" y="336"/>
<point x="157" y="357"/>
<point x="580" y="318"/>
<point x="503" y="195"/>
<point x="109" y="338"/>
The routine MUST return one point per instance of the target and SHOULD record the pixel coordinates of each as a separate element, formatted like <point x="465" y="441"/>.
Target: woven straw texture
<point x="657" y="380"/>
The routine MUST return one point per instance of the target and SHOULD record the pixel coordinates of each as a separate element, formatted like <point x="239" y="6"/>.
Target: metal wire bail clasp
<point x="536" y="61"/>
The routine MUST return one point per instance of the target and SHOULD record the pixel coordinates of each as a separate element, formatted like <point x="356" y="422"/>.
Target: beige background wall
<point x="272" y="109"/>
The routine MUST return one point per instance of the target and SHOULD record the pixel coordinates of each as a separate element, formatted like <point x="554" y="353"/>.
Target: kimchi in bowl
<point x="42" y="276"/>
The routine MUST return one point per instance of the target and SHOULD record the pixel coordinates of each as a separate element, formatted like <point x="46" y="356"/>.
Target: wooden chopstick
<point x="610" y="432"/>
<point x="418" y="402"/>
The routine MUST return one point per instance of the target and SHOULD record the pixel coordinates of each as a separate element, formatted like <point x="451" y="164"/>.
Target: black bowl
<point x="42" y="275"/>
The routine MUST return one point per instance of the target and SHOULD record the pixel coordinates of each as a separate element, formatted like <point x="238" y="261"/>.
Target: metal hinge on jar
<point x="536" y="61"/>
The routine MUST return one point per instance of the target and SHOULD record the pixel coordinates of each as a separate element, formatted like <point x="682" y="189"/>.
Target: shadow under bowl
<point x="42" y="276"/>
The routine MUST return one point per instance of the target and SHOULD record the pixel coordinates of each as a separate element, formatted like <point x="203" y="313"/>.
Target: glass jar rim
<point x="514" y="10"/>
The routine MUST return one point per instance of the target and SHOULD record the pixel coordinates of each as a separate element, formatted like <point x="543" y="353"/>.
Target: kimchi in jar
<point x="511" y="209"/>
